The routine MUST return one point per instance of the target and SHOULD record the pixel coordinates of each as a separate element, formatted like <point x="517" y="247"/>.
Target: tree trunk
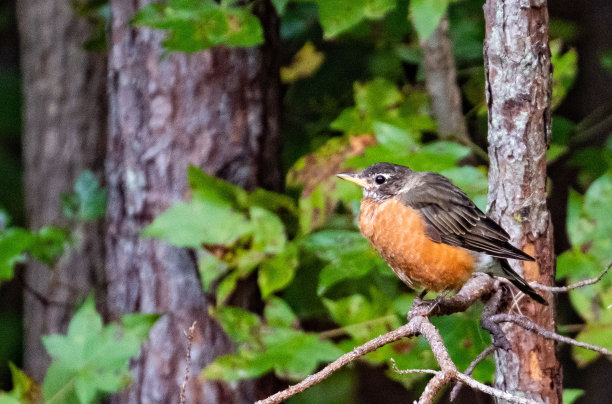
<point x="441" y="81"/>
<point x="65" y="119"/>
<point x="518" y="89"/>
<point x="217" y="110"/>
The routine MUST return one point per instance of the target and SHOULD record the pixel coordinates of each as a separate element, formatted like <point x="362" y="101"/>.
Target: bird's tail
<point x="508" y="273"/>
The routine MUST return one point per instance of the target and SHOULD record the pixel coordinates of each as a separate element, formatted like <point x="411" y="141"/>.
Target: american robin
<point x="429" y="232"/>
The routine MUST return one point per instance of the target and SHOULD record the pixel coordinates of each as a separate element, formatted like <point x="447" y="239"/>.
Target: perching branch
<point x="479" y="287"/>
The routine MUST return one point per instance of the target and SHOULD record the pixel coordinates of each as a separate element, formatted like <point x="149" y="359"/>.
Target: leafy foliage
<point x="16" y="244"/>
<point x="589" y="226"/>
<point x="92" y="359"/>
<point x="195" y="25"/>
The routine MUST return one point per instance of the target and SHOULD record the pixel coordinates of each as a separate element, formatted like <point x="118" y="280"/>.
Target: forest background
<point x="353" y="92"/>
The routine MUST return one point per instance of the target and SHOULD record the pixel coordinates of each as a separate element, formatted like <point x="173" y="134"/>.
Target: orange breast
<point x="397" y="232"/>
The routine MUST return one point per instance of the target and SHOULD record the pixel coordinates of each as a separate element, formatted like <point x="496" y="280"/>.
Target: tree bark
<point x="65" y="119"/>
<point x="217" y="110"/>
<point x="441" y="81"/>
<point x="518" y="89"/>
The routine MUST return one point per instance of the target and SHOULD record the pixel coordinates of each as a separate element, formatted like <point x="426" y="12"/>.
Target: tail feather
<point x="519" y="282"/>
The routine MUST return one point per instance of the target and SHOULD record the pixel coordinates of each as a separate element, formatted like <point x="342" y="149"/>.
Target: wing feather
<point x="452" y="218"/>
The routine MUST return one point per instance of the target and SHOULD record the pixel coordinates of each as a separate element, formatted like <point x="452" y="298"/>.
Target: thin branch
<point x="476" y="385"/>
<point x="468" y="372"/>
<point x="433" y="386"/>
<point x="189" y="335"/>
<point x="529" y="325"/>
<point x="336" y="332"/>
<point x="410" y="371"/>
<point x="581" y="284"/>
<point x="406" y="330"/>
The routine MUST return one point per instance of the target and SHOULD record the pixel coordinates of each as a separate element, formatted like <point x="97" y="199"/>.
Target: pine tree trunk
<point x="217" y="110"/>
<point x="65" y="119"/>
<point x="518" y="89"/>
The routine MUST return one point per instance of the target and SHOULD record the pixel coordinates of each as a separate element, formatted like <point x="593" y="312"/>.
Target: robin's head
<point x="380" y="181"/>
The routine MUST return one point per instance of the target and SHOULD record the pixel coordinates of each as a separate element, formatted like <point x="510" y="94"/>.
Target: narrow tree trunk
<point x="441" y="81"/>
<point x="217" y="110"/>
<point x="65" y="119"/>
<point x="518" y="88"/>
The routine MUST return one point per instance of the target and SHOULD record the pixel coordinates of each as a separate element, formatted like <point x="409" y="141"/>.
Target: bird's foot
<point x="426" y="307"/>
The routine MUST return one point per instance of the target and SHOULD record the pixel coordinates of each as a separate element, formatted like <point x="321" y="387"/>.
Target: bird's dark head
<point x="380" y="181"/>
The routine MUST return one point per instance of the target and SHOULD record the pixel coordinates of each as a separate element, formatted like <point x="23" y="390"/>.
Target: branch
<point x="189" y="335"/>
<point x="581" y="284"/>
<point x="468" y="372"/>
<point x="406" y="330"/>
<point x="529" y="325"/>
<point x="478" y="287"/>
<point x="418" y="324"/>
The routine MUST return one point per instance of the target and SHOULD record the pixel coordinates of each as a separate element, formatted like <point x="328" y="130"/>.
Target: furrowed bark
<point x="518" y="89"/>
<point x="217" y="110"/>
<point x="65" y="115"/>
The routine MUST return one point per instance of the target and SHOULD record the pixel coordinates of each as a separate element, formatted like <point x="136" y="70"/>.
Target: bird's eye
<point x="380" y="179"/>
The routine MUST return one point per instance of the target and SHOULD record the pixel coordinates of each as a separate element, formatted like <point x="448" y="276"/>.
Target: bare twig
<point x="529" y="325"/>
<point x="468" y="372"/>
<point x="410" y="371"/>
<point x="406" y="330"/>
<point x="581" y="284"/>
<point x="476" y="385"/>
<point x="189" y="335"/>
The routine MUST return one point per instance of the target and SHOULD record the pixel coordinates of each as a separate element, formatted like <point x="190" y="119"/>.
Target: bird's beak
<point x="354" y="178"/>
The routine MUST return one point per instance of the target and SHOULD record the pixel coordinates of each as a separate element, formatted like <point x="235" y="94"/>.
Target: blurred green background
<point x="369" y="79"/>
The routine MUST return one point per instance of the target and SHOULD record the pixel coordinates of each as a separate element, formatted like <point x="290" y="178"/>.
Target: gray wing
<point x="452" y="218"/>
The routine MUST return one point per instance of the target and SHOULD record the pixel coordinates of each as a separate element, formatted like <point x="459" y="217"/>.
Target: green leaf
<point x="211" y="269"/>
<point x="577" y="265"/>
<point x="199" y="222"/>
<point x="209" y="188"/>
<point x="465" y="339"/>
<point x="49" y="244"/>
<point x="244" y="364"/>
<point x="92" y="359"/>
<point x="88" y="201"/>
<point x="278" y="313"/>
<point x="13" y="244"/>
<point x="596" y="334"/>
<point x="239" y="324"/>
<point x="362" y="319"/>
<point x="268" y="231"/>
<point x="564" y="73"/>
<point x="393" y="137"/>
<point x="23" y="388"/>
<point x="244" y="29"/>
<point x="337" y="16"/>
<point x="197" y="25"/>
<point x="571" y="395"/>
<point x="426" y="15"/>
<point x="297" y="354"/>
<point x="277" y="272"/>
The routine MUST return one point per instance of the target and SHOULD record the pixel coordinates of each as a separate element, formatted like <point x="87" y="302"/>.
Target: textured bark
<point x="518" y="89"/>
<point x="217" y="110"/>
<point x="65" y="119"/>
<point x="441" y="80"/>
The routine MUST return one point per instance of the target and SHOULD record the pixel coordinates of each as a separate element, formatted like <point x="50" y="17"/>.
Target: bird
<point x="429" y="231"/>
